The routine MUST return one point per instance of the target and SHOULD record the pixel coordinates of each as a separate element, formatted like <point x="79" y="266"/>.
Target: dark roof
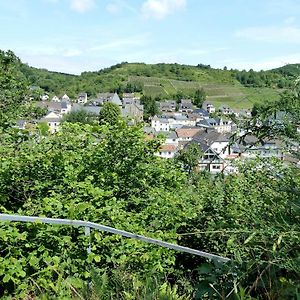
<point x="64" y="104"/>
<point x="210" y="136"/>
<point x="201" y="111"/>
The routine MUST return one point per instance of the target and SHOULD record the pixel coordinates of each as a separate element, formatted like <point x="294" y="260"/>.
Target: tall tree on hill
<point x="199" y="97"/>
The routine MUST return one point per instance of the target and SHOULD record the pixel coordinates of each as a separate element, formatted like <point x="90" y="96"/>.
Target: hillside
<point x="238" y="89"/>
<point x="291" y="70"/>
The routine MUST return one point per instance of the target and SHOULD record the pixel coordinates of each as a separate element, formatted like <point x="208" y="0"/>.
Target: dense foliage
<point x="108" y="173"/>
<point x="13" y="88"/>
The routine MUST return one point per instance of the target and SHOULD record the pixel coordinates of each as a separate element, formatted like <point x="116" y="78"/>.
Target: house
<point x="201" y="113"/>
<point x="55" y="99"/>
<point x="251" y="148"/>
<point x="216" y="141"/>
<point x="62" y="107"/>
<point x="160" y="124"/>
<point x="167" y="106"/>
<point x="219" y="124"/>
<point x="53" y="120"/>
<point x="171" y="137"/>
<point x="209" y="107"/>
<point x="44" y="97"/>
<point x="129" y="96"/>
<point x="211" y="161"/>
<point x="187" y="133"/>
<point x="225" y="109"/>
<point x="167" y="151"/>
<point x="116" y="100"/>
<point x="65" y="97"/>
<point x="65" y="107"/>
<point x="242" y="112"/>
<point x="50" y="106"/>
<point x="82" y="98"/>
<point x="133" y="109"/>
<point x="92" y="109"/>
<point x="186" y="105"/>
<point x="102" y="98"/>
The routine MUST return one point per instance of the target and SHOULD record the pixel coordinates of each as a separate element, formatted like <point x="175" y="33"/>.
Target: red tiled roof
<point x="168" y="148"/>
<point x="187" y="132"/>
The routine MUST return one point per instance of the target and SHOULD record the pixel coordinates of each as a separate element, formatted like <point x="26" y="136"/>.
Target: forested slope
<point x="232" y="87"/>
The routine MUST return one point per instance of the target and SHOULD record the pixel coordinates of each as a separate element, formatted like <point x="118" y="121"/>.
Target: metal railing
<point x="90" y="225"/>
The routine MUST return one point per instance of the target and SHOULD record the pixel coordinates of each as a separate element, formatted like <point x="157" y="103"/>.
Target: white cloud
<point x="280" y="34"/>
<point x="82" y="5"/>
<point x="267" y="64"/>
<point x="159" y="9"/>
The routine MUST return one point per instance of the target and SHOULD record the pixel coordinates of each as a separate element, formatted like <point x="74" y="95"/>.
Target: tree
<point x="109" y="114"/>
<point x="189" y="157"/>
<point x="199" y="97"/>
<point x="80" y="116"/>
<point x="150" y="107"/>
<point x="13" y="88"/>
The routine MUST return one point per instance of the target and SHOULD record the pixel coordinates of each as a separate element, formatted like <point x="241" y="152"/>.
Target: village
<point x="180" y="125"/>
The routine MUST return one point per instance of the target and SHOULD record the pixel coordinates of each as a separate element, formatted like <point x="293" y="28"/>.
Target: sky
<point x="73" y="36"/>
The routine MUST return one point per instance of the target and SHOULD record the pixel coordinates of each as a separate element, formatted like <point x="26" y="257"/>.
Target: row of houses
<point x="184" y="126"/>
<point x="218" y="149"/>
<point x="56" y="109"/>
<point x="194" y="119"/>
<point x="186" y="106"/>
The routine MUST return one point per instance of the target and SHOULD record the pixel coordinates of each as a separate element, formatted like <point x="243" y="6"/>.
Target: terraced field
<point x="234" y="95"/>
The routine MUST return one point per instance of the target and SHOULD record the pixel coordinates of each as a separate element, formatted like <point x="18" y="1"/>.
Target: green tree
<point x="43" y="128"/>
<point x="13" y="88"/>
<point x="189" y="157"/>
<point x="80" y="116"/>
<point x="150" y="107"/>
<point x="110" y="113"/>
<point x="199" y="97"/>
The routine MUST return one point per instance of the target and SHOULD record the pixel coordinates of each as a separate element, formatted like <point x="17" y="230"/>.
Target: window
<point x="216" y="167"/>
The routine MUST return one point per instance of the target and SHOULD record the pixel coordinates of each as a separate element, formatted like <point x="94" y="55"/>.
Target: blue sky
<point x="84" y="35"/>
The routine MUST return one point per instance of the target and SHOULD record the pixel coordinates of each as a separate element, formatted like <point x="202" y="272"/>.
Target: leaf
<point x="250" y="238"/>
<point x="97" y="258"/>
<point x="6" y="278"/>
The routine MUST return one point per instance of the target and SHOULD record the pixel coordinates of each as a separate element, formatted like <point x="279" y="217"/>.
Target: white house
<point x="65" y="97"/>
<point x="219" y="124"/>
<point x="65" y="107"/>
<point x="167" y="151"/>
<point x="82" y="98"/>
<point x="53" y="120"/>
<point x="179" y="120"/>
<point x="55" y="99"/>
<point x="209" y="107"/>
<point x="160" y="124"/>
<point x="44" y="97"/>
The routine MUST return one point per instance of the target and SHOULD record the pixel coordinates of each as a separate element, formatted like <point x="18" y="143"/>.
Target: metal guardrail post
<point x="87" y="232"/>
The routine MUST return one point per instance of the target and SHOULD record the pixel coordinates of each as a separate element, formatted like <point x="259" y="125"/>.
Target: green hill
<point x="289" y="71"/>
<point x="238" y="89"/>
